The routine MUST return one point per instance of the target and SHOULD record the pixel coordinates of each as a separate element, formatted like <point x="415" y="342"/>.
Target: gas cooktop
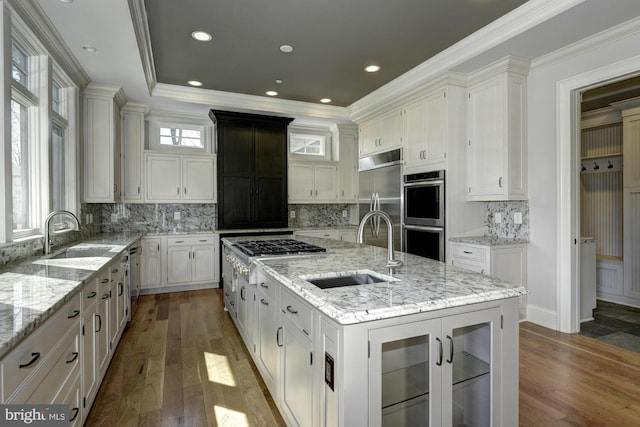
<point x="276" y="247"/>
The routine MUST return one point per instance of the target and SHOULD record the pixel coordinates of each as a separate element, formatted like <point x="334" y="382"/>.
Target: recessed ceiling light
<point x="279" y="81"/>
<point x="66" y="1"/>
<point x="325" y="100"/>
<point x="202" y="36"/>
<point x="372" y="68"/>
<point x="89" y="48"/>
<point x="271" y="92"/>
<point x="194" y="83"/>
<point x="286" y="48"/>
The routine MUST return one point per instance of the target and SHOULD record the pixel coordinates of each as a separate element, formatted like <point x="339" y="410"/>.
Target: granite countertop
<point x="33" y="289"/>
<point x="420" y="285"/>
<point x="489" y="240"/>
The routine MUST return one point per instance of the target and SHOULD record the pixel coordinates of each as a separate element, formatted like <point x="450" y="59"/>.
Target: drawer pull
<point x="204" y="240"/>
<point x="92" y="294"/>
<point x="468" y="252"/>
<point x="263" y="285"/>
<point x="120" y="289"/>
<point x="34" y="358"/>
<point x="264" y="301"/>
<point x="179" y="241"/>
<point x="278" y="337"/>
<point x="450" y="359"/>
<point x="76" y="411"/>
<point x="75" y="314"/>
<point x="73" y="358"/>
<point x="305" y="332"/>
<point x="105" y="296"/>
<point x="99" y="323"/>
<point x="114" y="271"/>
<point x="291" y="310"/>
<point x="105" y="281"/>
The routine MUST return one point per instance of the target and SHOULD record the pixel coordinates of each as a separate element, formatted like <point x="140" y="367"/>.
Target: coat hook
<point x="595" y="167"/>
<point x="610" y="165"/>
<point x="583" y="168"/>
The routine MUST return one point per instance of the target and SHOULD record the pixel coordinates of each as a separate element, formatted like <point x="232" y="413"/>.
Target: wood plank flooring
<point x="181" y="362"/>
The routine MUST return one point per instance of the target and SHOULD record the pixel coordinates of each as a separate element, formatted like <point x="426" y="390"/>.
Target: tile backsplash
<point x="507" y="228"/>
<point x="327" y="215"/>
<point x="157" y="217"/>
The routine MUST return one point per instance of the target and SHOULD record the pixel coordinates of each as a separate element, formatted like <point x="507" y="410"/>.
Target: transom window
<point x="311" y="145"/>
<point x="181" y="137"/>
<point x="20" y="66"/>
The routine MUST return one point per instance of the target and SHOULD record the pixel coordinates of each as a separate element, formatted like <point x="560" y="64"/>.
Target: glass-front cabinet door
<point x="440" y="372"/>
<point x="402" y="377"/>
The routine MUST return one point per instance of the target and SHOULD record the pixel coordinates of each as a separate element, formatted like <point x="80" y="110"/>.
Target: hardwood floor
<point x="181" y="362"/>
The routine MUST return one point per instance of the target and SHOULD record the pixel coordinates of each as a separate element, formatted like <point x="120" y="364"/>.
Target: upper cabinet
<point x="348" y="149"/>
<point x="102" y="135"/>
<point x="496" y="132"/>
<point x="187" y="179"/>
<point x="132" y="116"/>
<point x="382" y="134"/>
<point x="313" y="182"/>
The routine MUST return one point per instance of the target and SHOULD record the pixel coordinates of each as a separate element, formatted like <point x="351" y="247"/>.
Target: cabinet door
<point x="300" y="182"/>
<point x="151" y="262"/>
<point x="163" y="178"/>
<point x="269" y="341"/>
<point x="486" y="135"/>
<point x="203" y="257"/>
<point x="99" y="161"/>
<point x="297" y="375"/>
<point x="132" y="149"/>
<point x="416" y="148"/>
<point x="348" y="168"/>
<point x="393" y="126"/>
<point x="198" y="179"/>
<point x="436" y="127"/>
<point x="370" y="137"/>
<point x="476" y="266"/>
<point x="114" y="321"/>
<point x="405" y="375"/>
<point x="178" y="264"/>
<point x="326" y="183"/>
<point x="89" y="341"/>
<point x="270" y="189"/>
<point x="102" y="327"/>
<point x="470" y="382"/>
<point x="243" y="306"/>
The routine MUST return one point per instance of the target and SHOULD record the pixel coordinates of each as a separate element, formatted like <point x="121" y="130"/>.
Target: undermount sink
<point x="347" y="279"/>
<point x="81" y="253"/>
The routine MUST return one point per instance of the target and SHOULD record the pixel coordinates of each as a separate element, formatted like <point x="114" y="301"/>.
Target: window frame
<point x="159" y="119"/>
<point x="323" y="133"/>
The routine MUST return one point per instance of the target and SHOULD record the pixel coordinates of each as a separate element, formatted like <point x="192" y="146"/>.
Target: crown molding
<point x="600" y="117"/>
<point x="135" y="107"/>
<point x="506" y="27"/>
<point x="141" y="29"/>
<point x="30" y="12"/>
<point x="241" y="102"/>
<point x="106" y="90"/>
<point x="508" y="64"/>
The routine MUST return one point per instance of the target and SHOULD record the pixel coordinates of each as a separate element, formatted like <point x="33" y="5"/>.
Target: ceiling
<point x="332" y="43"/>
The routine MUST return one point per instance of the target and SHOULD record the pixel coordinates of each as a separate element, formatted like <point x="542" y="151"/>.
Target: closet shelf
<point x="603" y="156"/>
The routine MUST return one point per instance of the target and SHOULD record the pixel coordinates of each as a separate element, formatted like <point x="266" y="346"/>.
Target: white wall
<point x="543" y="177"/>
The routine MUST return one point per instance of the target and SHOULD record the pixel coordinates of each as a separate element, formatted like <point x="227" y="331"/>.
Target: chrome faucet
<point x="48" y="244"/>
<point x="391" y="261"/>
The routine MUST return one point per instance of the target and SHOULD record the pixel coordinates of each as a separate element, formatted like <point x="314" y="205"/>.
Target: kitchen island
<point x="428" y="344"/>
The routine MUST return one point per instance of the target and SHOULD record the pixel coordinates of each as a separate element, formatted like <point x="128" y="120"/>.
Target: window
<point x="58" y="168"/>
<point x="312" y="145"/>
<point x="56" y="98"/>
<point x="20" y="66"/>
<point x="181" y="137"/>
<point x="20" y="167"/>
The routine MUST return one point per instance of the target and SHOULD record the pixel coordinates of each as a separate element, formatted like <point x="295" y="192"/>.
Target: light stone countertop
<point x="33" y="289"/>
<point x="489" y="240"/>
<point x="420" y="285"/>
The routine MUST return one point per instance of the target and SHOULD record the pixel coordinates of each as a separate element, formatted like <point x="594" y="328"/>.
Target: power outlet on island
<point x="176" y="215"/>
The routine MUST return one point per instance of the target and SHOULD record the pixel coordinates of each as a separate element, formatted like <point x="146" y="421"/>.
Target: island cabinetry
<point x="297" y="394"/>
<point x="229" y="285"/>
<point x="245" y="310"/>
<point x="39" y="368"/>
<point x="436" y="372"/>
<point x="313" y="182"/>
<point x="180" y="178"/>
<point x="269" y="334"/>
<point x="191" y="259"/>
<point x="496" y="132"/>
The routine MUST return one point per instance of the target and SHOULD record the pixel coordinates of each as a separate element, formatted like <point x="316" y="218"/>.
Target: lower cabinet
<point x="269" y="335"/>
<point x="150" y="274"/>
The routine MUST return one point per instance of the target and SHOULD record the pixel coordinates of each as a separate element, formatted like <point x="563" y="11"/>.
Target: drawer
<point x="89" y="295"/>
<point x="63" y="364"/>
<point x="476" y="266"/>
<point x="297" y="311"/>
<point x="190" y="241"/>
<point x="469" y="251"/>
<point x="267" y="287"/>
<point x="37" y="347"/>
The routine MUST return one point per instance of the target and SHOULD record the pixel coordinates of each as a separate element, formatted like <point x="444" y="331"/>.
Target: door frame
<point x="568" y="94"/>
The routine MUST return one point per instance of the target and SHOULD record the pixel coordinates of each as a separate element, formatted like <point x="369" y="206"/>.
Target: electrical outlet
<point x="517" y="217"/>
<point x="90" y="218"/>
<point x="86" y="219"/>
<point x="114" y="217"/>
<point x="497" y="217"/>
<point x="345" y="213"/>
<point x="176" y="215"/>
<point x="292" y="214"/>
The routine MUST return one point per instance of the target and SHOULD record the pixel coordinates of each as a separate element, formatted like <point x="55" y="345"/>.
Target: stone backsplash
<point x="329" y="215"/>
<point x="157" y="217"/>
<point x="507" y="228"/>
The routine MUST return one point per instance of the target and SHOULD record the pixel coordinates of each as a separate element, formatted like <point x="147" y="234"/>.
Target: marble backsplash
<point x="329" y="215"/>
<point x="507" y="228"/>
<point x="156" y="217"/>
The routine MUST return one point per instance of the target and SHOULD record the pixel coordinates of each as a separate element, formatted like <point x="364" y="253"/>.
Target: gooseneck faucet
<point x="391" y="261"/>
<point x="48" y="244"/>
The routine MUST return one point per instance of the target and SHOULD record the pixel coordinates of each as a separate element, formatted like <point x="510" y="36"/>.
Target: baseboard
<point x="179" y="288"/>
<point x="542" y="316"/>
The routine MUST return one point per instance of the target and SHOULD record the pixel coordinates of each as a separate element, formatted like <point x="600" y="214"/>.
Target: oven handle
<point x="423" y="228"/>
<point x="424" y="183"/>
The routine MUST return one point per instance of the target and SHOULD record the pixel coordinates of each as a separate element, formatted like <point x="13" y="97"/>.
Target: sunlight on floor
<point x="218" y="369"/>
<point x="227" y="417"/>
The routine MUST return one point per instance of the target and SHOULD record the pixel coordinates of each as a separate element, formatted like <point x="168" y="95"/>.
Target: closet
<point x="610" y="199"/>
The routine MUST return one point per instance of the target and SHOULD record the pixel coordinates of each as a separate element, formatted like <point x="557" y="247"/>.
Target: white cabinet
<point x="313" y="182"/>
<point x="382" y="134"/>
<point x="246" y="310"/>
<point x="496" y="132"/>
<point x="436" y="372"/>
<point x="269" y="334"/>
<point x="324" y="234"/>
<point x="90" y="380"/>
<point x="191" y="259"/>
<point x="348" y="149"/>
<point x="180" y="178"/>
<point x="102" y="143"/>
<point x="102" y="319"/>
<point x="151" y="265"/>
<point x="132" y="116"/>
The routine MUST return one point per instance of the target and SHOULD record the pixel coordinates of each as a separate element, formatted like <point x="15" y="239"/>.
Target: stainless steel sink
<point x="81" y="253"/>
<point x="350" y="280"/>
